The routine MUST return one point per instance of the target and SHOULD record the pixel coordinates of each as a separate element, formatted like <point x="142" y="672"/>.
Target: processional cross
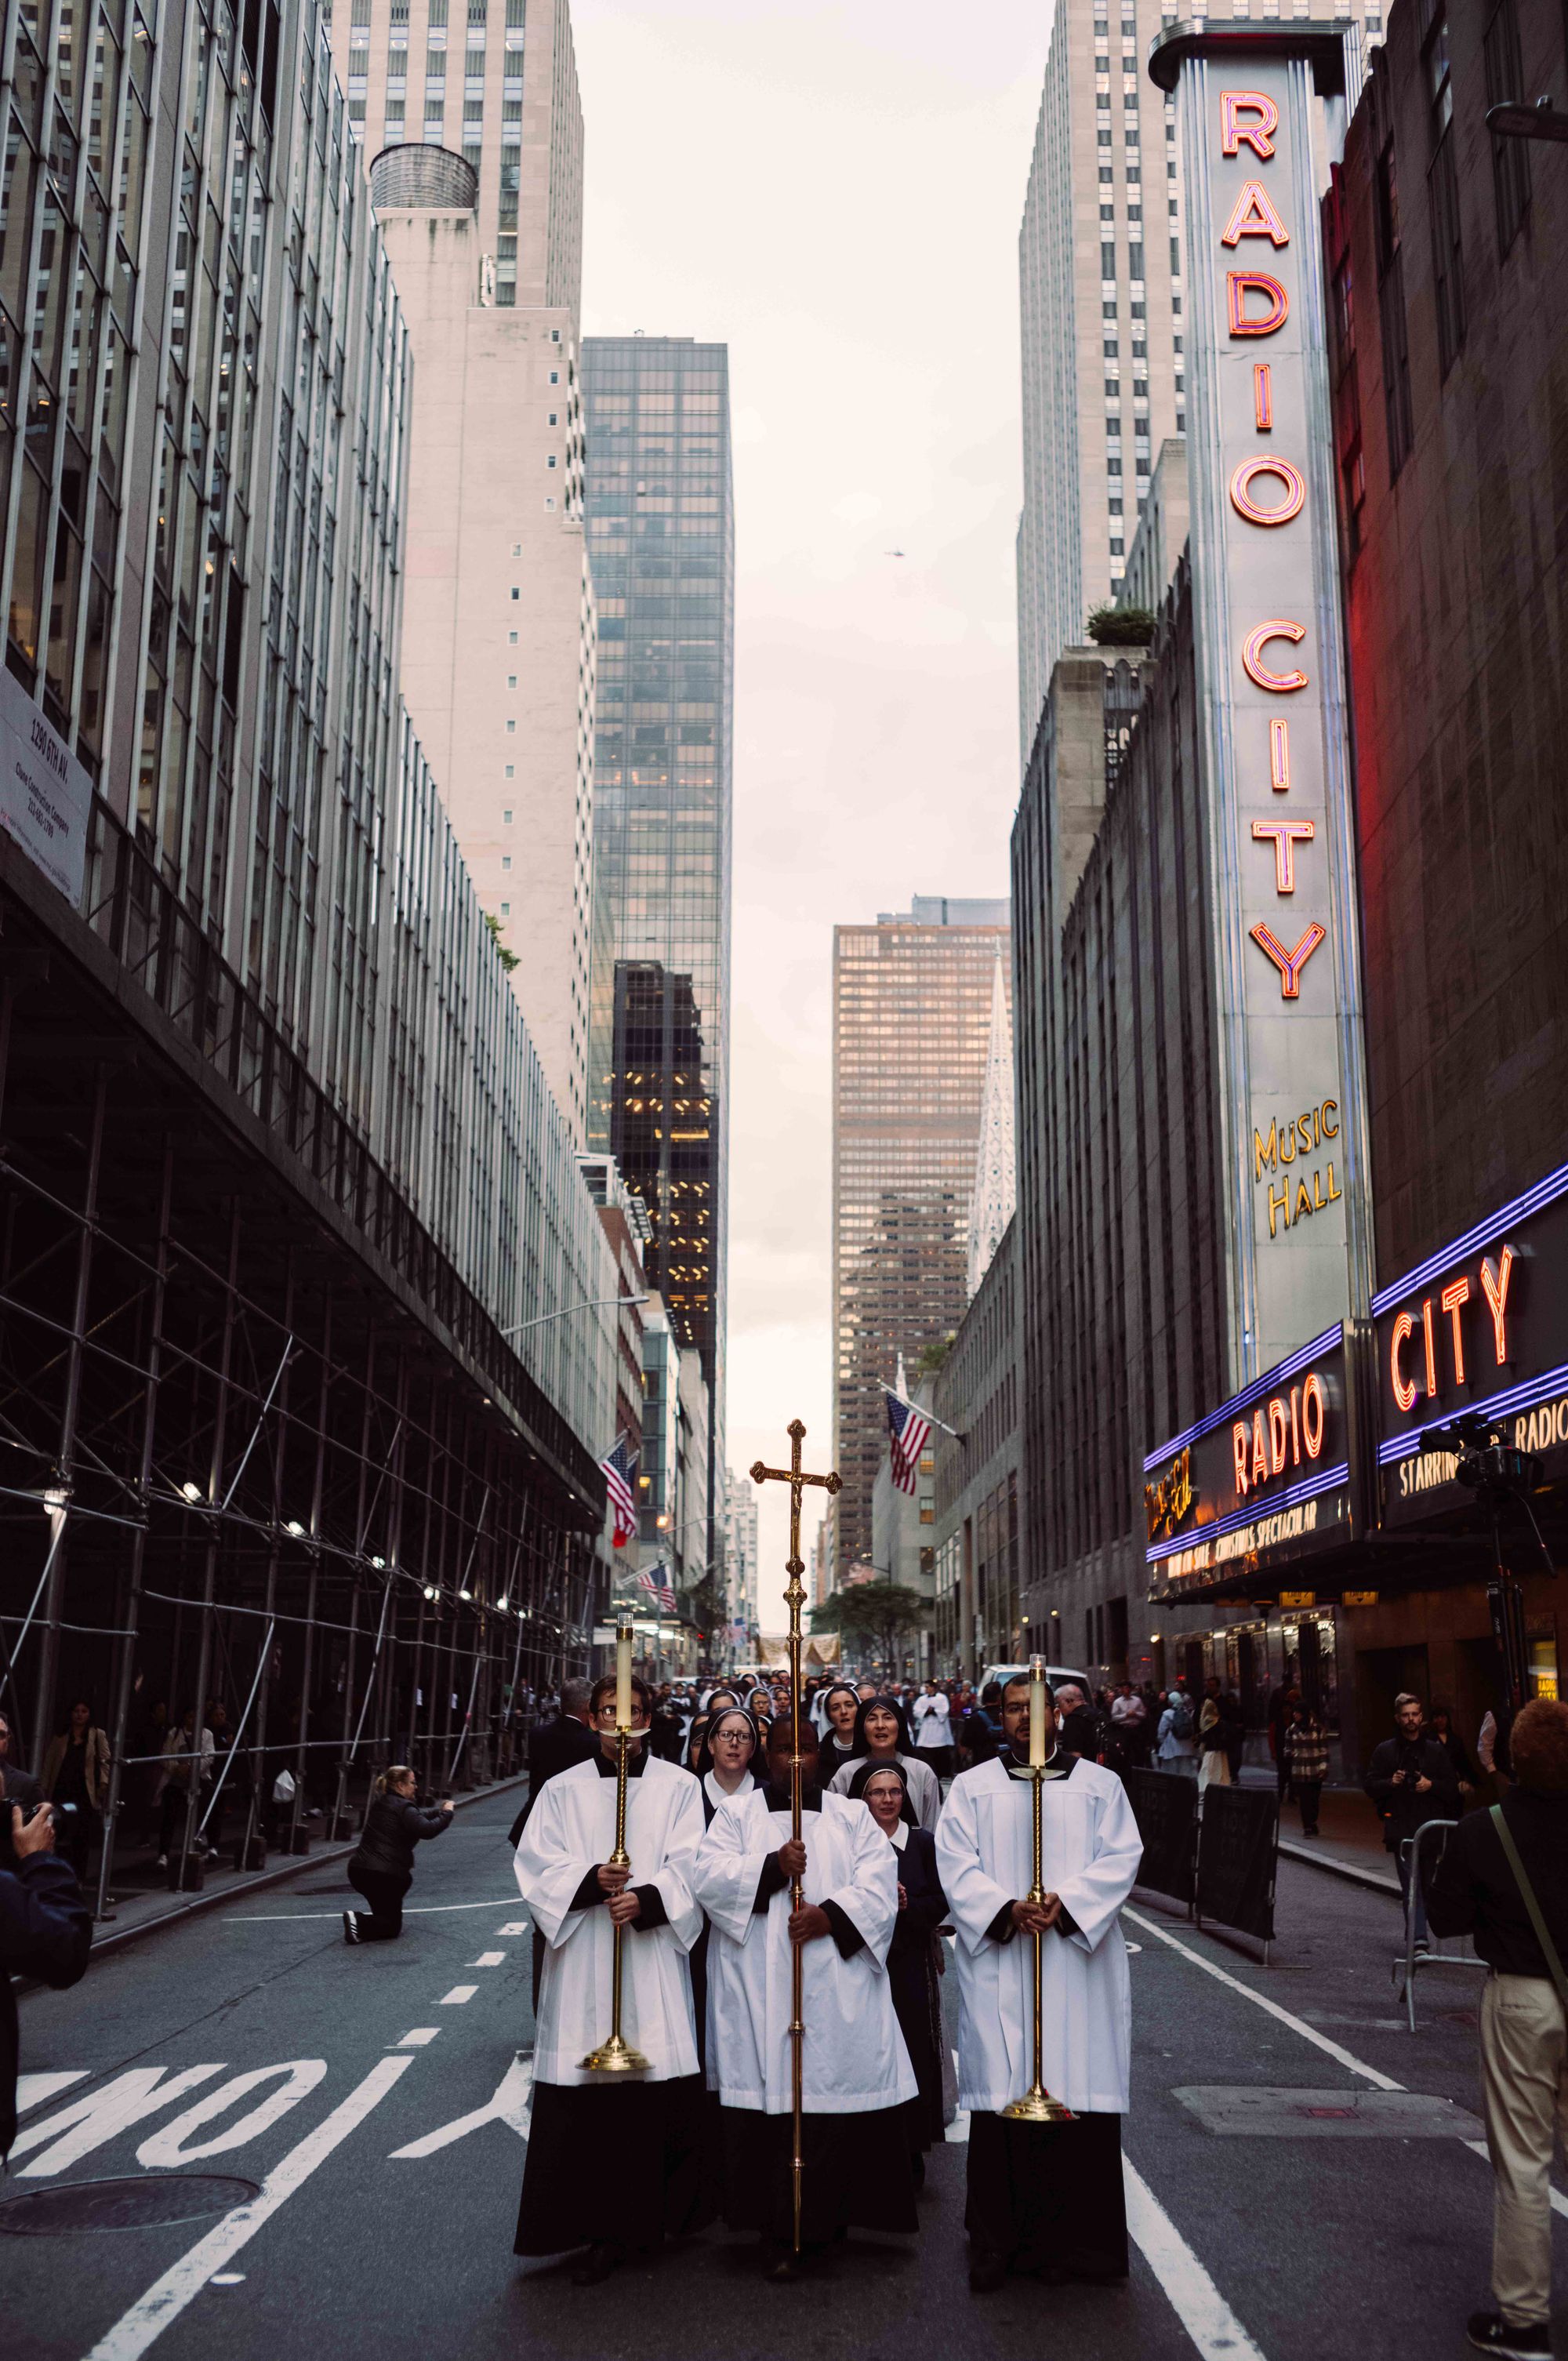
<point x="795" y="1476"/>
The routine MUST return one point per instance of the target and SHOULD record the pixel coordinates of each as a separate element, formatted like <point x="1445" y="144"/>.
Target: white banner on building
<point x="46" y="796"/>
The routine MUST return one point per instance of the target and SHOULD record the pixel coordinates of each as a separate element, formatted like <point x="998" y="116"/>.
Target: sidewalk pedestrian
<point x="45" y="1931"/>
<point x="17" y="1787"/>
<point x="184" y="1760"/>
<point x="76" y="1779"/>
<point x="1306" y="1745"/>
<point x="1214" y="1763"/>
<point x="1410" y="1781"/>
<point x="1441" y="1731"/>
<point x="1504" y="1880"/>
<point x="381" y="1867"/>
<point x="931" y="1714"/>
<point x="1177" y="1747"/>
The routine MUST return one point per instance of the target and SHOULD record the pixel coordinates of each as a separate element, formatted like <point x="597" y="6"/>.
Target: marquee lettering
<point x="1278" y="683"/>
<point x="1257" y="136"/>
<point x="1251" y="215"/>
<point x="1283" y="1432"/>
<point x="1239" y="285"/>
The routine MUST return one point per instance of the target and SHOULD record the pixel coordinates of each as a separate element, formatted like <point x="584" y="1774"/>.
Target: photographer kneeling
<point x="381" y="1867"/>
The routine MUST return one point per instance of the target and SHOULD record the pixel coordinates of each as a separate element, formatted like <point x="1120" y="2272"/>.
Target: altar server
<point x="1043" y="2198"/>
<point x="614" y="2163"/>
<point x="856" y="2074"/>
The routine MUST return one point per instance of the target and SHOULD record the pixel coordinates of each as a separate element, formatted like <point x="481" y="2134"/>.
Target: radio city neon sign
<point x="1283" y="1432"/>
<point x="1268" y="490"/>
<point x="1440" y="1328"/>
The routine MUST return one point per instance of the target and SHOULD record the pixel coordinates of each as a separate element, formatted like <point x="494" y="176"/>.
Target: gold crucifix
<point x="797" y="1479"/>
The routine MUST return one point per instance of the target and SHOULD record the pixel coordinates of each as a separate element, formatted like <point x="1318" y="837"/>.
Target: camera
<point x="1484" y="1460"/>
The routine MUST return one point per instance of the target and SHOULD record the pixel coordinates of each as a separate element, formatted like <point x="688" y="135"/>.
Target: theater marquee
<point x="1271" y="675"/>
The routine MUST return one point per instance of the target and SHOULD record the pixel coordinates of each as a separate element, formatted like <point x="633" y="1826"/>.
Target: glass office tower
<point x="660" y="545"/>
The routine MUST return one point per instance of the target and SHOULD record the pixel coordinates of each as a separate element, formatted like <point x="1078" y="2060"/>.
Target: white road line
<point x="418" y="1910"/>
<point x="1196" y="2300"/>
<point x="1260" y="2000"/>
<point x="168" y="2297"/>
<point x="518" y="1927"/>
<point x="1308" y="2032"/>
<point x="458" y="1995"/>
<point x="487" y="1959"/>
<point x="226" y="2279"/>
<point x="32" y="2089"/>
<point x="509" y="2104"/>
<point x="421" y="2035"/>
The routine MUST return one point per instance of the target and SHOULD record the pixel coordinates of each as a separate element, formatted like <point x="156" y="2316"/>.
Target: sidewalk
<point x="137" y="1909"/>
<point x="1350" y="1837"/>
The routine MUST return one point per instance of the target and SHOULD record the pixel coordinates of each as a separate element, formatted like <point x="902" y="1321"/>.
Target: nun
<point x="840" y="1707"/>
<point x="882" y="1735"/>
<point x="913" y="1954"/>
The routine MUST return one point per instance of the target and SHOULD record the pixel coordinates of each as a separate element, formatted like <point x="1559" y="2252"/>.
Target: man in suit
<point x="553" y="1747"/>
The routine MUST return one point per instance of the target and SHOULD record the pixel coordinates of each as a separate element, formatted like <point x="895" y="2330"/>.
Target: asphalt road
<point x="389" y="2157"/>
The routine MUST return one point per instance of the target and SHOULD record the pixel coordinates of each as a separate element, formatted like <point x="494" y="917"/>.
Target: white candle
<point x="623" y="1676"/>
<point x="1037" y="1712"/>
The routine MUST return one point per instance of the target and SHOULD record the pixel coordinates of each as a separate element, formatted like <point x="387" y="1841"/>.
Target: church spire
<point x="994" y="1192"/>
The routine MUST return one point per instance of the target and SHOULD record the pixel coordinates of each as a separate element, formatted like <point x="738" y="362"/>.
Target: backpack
<point x="1183" y="1720"/>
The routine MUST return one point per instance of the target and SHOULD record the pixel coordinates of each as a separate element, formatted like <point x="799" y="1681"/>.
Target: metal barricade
<point x="1420" y="1858"/>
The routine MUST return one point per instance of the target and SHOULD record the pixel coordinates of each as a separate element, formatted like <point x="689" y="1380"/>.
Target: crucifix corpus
<point x="797" y="1479"/>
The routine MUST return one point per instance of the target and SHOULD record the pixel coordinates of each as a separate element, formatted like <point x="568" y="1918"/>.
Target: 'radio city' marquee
<point x="1271" y="675"/>
<point x="1479" y="1329"/>
<point x="1260" y="1482"/>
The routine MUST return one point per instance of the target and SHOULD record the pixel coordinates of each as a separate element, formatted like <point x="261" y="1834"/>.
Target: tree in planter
<point x="873" y="1617"/>
<point x="1120" y="627"/>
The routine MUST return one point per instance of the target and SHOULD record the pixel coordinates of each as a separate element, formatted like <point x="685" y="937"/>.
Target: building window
<point x="506" y="861"/>
<point x="506" y="817"/>
<point x="516" y="592"/>
<point x="506" y="909"/>
<point x="511" y="774"/>
<point x="1399" y="419"/>
<point x="1510" y="158"/>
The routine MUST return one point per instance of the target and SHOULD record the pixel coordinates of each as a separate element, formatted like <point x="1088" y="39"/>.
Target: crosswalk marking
<point x="458" y="1995"/>
<point x="487" y="1959"/>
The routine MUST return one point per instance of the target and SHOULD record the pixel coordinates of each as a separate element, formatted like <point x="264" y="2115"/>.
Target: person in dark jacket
<point x="1524" y="2014"/>
<point x="381" y="1867"/>
<point x="1441" y="1730"/>
<point x="555" y="1746"/>
<point x="911" y="1969"/>
<point x="45" y="1930"/>
<point x="1411" y="1780"/>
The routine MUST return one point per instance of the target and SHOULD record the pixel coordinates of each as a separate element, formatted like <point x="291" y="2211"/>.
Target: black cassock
<point x="911" y="1975"/>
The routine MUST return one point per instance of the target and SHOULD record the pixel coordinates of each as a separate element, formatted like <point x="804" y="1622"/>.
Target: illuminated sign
<point x="1259" y="1481"/>
<point x="1271" y="677"/>
<point x="1481" y="1326"/>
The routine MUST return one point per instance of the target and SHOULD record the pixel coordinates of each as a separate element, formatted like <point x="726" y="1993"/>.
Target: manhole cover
<point x="145" y="2205"/>
<point x="1270" y="2112"/>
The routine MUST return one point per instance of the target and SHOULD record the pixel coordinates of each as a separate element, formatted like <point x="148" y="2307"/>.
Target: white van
<point x="1055" y="1673"/>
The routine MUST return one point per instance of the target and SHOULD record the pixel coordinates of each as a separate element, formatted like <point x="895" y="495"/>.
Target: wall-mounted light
<point x="295" y="1528"/>
<point x="379" y="1563"/>
<point x="464" y="1594"/>
<point x="192" y="1491"/>
<point x="429" y="1590"/>
<point x="55" y="1500"/>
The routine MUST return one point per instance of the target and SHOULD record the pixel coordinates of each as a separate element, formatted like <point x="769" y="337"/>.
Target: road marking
<point x="507" y="2105"/>
<point x="1309" y="2033"/>
<point x="1261" y="2000"/>
<point x="421" y="2035"/>
<point x="32" y="2089"/>
<point x="458" y="1995"/>
<point x="518" y="1927"/>
<point x="168" y="2147"/>
<point x="84" y="2125"/>
<point x="487" y="1959"/>
<point x="417" y="1910"/>
<point x="226" y="2279"/>
<point x="1196" y="2300"/>
<point x="168" y="2297"/>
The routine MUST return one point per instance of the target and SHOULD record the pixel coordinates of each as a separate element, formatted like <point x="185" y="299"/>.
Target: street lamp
<point x="1512" y="120"/>
<point x="597" y="1304"/>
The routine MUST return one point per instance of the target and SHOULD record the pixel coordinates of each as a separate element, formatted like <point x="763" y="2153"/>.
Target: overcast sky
<point x="835" y="192"/>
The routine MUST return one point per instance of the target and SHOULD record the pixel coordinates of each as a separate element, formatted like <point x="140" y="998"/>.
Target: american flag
<point x="909" y="1431"/>
<point x="659" y="1591"/>
<point x="619" y="1472"/>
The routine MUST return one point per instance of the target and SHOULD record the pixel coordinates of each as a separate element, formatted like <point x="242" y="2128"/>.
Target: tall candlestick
<point x="623" y="1674"/>
<point x="1036" y="1713"/>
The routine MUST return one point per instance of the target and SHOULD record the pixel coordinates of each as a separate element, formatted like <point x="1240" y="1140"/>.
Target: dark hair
<point x="882" y="1703"/>
<point x="605" y="1687"/>
<point x="865" y="1773"/>
<point x="991" y="1693"/>
<point x="832" y="1690"/>
<point x="1538" y="1746"/>
<point x="1023" y="1681"/>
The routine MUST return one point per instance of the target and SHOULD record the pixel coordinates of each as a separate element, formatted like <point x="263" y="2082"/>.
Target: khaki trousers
<point x="1524" y="2084"/>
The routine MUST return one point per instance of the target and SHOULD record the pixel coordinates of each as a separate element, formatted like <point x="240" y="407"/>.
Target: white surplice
<point x="855" y="2058"/>
<point x="570" y="1830"/>
<point x="1090" y="1853"/>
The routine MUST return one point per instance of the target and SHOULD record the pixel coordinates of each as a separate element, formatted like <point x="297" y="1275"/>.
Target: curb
<point x="294" y="1866"/>
<point x="1368" y="1878"/>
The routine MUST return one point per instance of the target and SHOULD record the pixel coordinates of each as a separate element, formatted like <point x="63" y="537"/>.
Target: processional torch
<point x="794" y="1598"/>
<point x="1036" y="2105"/>
<point x="616" y="2056"/>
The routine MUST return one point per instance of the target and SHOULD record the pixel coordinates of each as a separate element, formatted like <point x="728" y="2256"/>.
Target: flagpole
<point x="929" y="1415"/>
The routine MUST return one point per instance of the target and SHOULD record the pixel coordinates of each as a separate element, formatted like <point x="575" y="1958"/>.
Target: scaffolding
<point x="253" y="1480"/>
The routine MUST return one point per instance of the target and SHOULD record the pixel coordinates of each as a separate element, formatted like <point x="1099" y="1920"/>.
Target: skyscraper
<point x="661" y="542"/>
<point x="1105" y="380"/>
<point x="499" y="639"/>
<point x="912" y="1028"/>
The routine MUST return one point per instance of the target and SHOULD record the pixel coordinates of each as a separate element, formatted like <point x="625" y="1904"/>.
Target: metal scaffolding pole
<point x="185" y="1872"/>
<point x="54" y="1599"/>
<point x="130" y="1611"/>
<point x="298" y="1839"/>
